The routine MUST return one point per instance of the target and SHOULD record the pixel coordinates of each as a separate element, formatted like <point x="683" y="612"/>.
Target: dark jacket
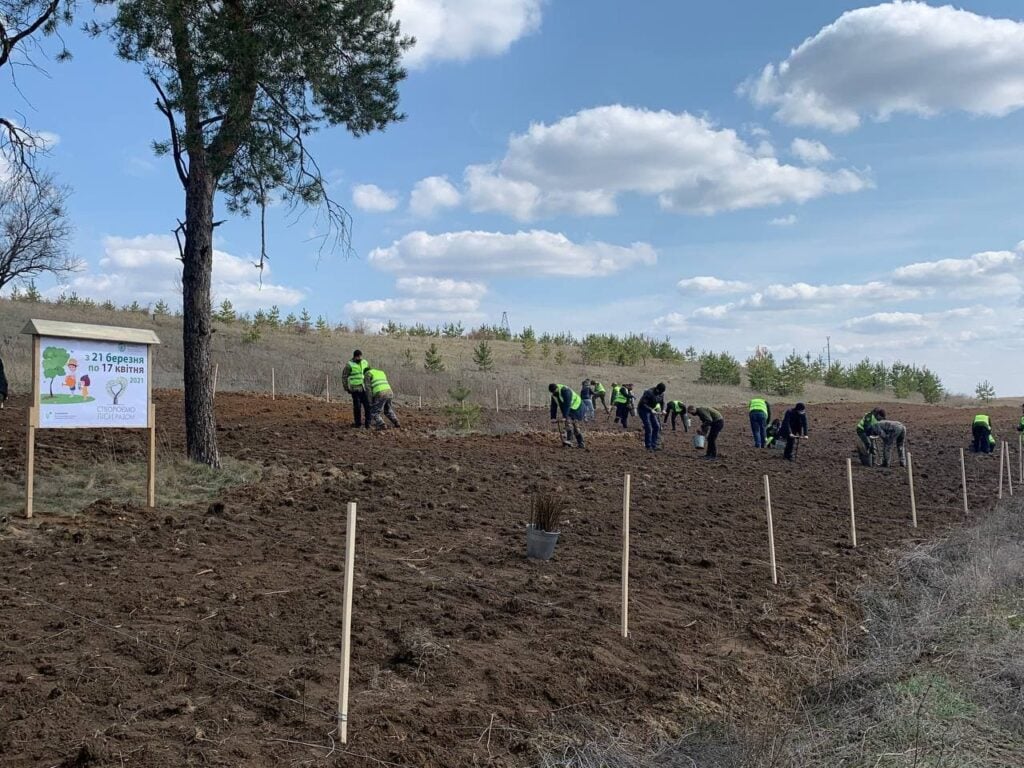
<point x="708" y="415"/>
<point x="3" y="382"/>
<point x="651" y="399"/>
<point x="793" y="423"/>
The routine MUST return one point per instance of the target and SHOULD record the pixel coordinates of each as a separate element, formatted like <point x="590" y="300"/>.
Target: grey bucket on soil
<point x="540" y="545"/>
<point x="699" y="441"/>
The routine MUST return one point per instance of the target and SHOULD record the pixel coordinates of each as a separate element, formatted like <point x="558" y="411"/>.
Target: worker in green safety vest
<point x="597" y="388"/>
<point x="353" y="376"/>
<point x="1020" y="424"/>
<point x="677" y="409"/>
<point x="569" y="405"/>
<point x="381" y="398"/>
<point x="981" y="430"/>
<point x="869" y="419"/>
<point x="760" y="415"/>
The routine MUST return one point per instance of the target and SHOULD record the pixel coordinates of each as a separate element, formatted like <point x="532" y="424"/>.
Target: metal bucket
<point x="699" y="442"/>
<point x="540" y="545"/>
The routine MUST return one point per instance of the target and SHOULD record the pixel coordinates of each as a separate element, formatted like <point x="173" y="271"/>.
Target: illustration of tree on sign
<point x="54" y="360"/>
<point x="115" y="387"/>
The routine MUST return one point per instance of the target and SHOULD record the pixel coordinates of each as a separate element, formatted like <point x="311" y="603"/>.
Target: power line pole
<point x="828" y="347"/>
<point x="504" y="322"/>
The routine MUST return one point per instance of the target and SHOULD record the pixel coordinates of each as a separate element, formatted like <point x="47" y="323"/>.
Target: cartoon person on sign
<point x="85" y="382"/>
<point x="71" y="380"/>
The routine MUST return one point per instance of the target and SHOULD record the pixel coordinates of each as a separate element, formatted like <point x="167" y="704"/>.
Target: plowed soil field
<point x="209" y="635"/>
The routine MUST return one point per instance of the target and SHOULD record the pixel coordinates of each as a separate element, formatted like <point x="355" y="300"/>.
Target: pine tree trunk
<point x="197" y="326"/>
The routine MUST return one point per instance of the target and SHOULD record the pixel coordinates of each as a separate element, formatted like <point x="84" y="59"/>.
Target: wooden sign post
<point x="96" y="377"/>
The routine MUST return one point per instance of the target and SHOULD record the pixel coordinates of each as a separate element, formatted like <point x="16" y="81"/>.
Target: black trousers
<point x="360" y="408"/>
<point x="716" y="427"/>
<point x="981" y="443"/>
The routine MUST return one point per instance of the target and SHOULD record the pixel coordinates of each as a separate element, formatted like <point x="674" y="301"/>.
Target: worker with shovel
<point x="570" y="405"/>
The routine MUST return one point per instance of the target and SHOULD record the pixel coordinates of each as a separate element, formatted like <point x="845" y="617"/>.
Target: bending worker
<point x="381" y="399"/>
<point x="676" y="408"/>
<point x="893" y="433"/>
<point x="981" y="431"/>
<point x="1020" y="424"/>
<point x="711" y="423"/>
<point x="869" y="418"/>
<point x="793" y="428"/>
<point x="760" y="415"/>
<point x="648" y="408"/>
<point x="571" y="406"/>
<point x="598" y="394"/>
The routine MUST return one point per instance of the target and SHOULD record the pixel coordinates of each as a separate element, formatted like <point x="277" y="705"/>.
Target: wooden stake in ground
<point x="151" y="485"/>
<point x="421" y="401"/>
<point x="273" y="385"/>
<point x="529" y="404"/>
<point x="963" y="480"/>
<point x="346" y="630"/>
<point x="771" y="529"/>
<point x="853" y="515"/>
<point x="327" y="386"/>
<point x="495" y="399"/>
<point x="1002" y="457"/>
<point x="625" y="556"/>
<point x="1009" y="469"/>
<point x="1020" y="459"/>
<point x="216" y="372"/>
<point x="913" y="498"/>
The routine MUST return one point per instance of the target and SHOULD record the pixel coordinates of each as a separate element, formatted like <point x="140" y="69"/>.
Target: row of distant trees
<point x="765" y="374"/>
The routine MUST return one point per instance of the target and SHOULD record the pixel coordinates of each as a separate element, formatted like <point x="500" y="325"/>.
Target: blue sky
<point x="728" y="174"/>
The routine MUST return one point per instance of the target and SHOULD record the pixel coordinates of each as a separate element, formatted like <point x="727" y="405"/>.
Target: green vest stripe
<point x="357" y="373"/>
<point x="758" y="405"/>
<point x="981" y="418"/>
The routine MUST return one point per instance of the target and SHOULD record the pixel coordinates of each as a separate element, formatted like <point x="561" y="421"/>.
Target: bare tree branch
<point x="34" y="229"/>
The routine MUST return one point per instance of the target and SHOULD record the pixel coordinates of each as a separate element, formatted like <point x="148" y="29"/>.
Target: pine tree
<point x="407" y="359"/>
<point x="274" y="317"/>
<point x="291" y="322"/>
<point x="792" y="376"/>
<point x="321" y="326"/>
<point x="545" y="349"/>
<point x="161" y="309"/>
<point x="560" y="357"/>
<point x="985" y="392"/>
<point x="432" y="360"/>
<point x="226" y="313"/>
<point x="762" y="373"/>
<point x="482" y="357"/>
<point x="32" y="293"/>
<point x="305" y="321"/>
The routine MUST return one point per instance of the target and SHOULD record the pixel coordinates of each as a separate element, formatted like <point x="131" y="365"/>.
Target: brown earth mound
<point x="210" y="635"/>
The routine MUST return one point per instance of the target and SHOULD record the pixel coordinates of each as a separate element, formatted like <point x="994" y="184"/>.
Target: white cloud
<point x="457" y="30"/>
<point x="784" y="221"/>
<point x="536" y="253"/>
<point x="415" y="310"/>
<point x="888" y="322"/>
<point x="790" y="295"/>
<point x="976" y="268"/>
<point x="706" y="284"/>
<point x="580" y="165"/>
<point x="373" y="199"/>
<point x="899" y="57"/>
<point x="810" y="152"/>
<point x="435" y="287"/>
<point x="432" y="194"/>
<point x="147" y="269"/>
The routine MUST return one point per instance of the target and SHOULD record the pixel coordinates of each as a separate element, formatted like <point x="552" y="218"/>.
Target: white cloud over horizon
<point x="433" y="194"/>
<point x="147" y="269"/>
<point x="458" y="30"/>
<point x="708" y="284"/>
<point x="372" y="199"/>
<point x="896" y="58"/>
<point x="581" y="165"/>
<point x="536" y="252"/>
